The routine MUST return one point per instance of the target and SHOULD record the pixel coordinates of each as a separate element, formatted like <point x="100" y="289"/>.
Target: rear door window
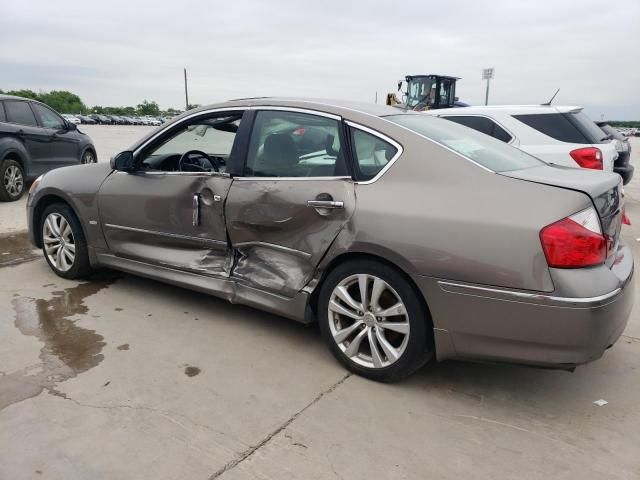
<point x="292" y="144"/>
<point x="20" y="113"/>
<point x="566" y="127"/>
<point x="2" y="116"/>
<point x="481" y="124"/>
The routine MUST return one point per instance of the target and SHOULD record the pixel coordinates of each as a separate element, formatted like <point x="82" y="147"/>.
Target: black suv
<point x="33" y="140"/>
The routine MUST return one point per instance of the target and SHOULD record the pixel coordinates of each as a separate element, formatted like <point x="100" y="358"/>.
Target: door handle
<point x="324" y="204"/>
<point x="196" y="209"/>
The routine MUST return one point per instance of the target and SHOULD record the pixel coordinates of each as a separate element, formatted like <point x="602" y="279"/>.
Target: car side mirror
<point x="71" y="126"/>
<point x="123" y="161"/>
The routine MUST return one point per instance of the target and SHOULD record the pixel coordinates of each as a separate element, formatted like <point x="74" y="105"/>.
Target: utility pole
<point x="487" y="74"/>
<point x="186" y="92"/>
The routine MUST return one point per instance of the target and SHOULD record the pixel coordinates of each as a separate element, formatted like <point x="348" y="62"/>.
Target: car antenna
<point x="551" y="99"/>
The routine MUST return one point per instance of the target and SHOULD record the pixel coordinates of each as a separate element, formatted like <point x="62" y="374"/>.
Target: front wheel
<point x="63" y="242"/>
<point x="374" y="322"/>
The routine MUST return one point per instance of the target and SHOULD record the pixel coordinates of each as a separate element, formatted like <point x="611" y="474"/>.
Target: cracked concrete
<point x="269" y="401"/>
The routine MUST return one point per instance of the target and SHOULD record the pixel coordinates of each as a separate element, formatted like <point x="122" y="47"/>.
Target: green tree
<point x="63" y="101"/>
<point x="148" y="108"/>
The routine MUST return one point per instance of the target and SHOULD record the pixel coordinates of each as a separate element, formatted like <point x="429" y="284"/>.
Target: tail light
<point x="575" y="241"/>
<point x="589" y="157"/>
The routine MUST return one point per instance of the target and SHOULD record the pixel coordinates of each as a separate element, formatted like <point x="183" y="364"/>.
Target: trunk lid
<point x="604" y="189"/>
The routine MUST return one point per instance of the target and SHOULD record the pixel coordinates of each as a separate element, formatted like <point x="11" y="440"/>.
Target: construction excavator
<point x="425" y="92"/>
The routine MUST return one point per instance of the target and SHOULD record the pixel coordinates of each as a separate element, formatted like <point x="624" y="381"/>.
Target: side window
<point x="20" y="113"/>
<point x="48" y="117"/>
<point x="203" y="145"/>
<point x="481" y="124"/>
<point x="291" y="144"/>
<point x="2" y="117"/>
<point x="554" y="125"/>
<point x="371" y="153"/>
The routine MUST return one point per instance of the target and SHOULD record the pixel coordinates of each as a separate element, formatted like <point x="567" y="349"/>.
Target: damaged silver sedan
<point x="405" y="236"/>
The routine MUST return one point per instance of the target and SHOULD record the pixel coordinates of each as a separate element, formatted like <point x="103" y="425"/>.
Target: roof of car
<point x="512" y="109"/>
<point x="327" y="105"/>
<point x="4" y="96"/>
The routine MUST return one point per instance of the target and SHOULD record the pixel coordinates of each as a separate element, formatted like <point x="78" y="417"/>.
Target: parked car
<point x="33" y="140"/>
<point x="621" y="166"/>
<point x="405" y="236"/>
<point x="101" y="119"/>
<point x="86" y="120"/>
<point x="557" y="135"/>
<point x="71" y="118"/>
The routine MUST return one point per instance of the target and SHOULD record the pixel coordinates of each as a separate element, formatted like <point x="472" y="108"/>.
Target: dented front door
<point x="169" y="219"/>
<point x="281" y="228"/>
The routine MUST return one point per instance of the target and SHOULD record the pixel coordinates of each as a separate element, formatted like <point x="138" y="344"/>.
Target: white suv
<point x="558" y="135"/>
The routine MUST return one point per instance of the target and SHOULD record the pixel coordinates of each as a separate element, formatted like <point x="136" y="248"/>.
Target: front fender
<point x="77" y="186"/>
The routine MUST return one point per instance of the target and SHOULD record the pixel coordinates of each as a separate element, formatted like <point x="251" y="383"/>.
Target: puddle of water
<point x="67" y="349"/>
<point x="16" y="248"/>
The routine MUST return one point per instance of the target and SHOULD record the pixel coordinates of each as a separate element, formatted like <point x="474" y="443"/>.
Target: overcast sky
<point x="120" y="52"/>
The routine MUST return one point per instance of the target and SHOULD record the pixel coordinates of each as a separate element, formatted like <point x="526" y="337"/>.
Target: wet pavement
<point x="123" y="377"/>
<point x="16" y="248"/>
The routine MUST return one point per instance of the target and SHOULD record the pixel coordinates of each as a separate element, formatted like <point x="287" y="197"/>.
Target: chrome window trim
<point x="273" y="246"/>
<point x="529" y="296"/>
<point x="291" y="178"/>
<point x="189" y="174"/>
<point x="208" y="241"/>
<point x="383" y="137"/>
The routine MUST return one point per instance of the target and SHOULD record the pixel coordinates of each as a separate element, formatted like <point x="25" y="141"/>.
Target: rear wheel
<point x="63" y="242"/>
<point x="374" y="322"/>
<point x="12" y="183"/>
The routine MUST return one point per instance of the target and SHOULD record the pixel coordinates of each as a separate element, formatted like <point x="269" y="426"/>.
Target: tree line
<point x="63" y="101"/>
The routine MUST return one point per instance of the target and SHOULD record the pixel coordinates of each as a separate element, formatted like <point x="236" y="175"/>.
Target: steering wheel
<point x="196" y="167"/>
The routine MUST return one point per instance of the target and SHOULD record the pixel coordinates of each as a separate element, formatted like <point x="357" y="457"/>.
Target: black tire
<point x="88" y="156"/>
<point x="81" y="267"/>
<point x="11" y="172"/>
<point x="419" y="347"/>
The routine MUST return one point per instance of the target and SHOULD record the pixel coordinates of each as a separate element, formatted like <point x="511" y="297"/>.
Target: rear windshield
<point x="483" y="149"/>
<point x="574" y="127"/>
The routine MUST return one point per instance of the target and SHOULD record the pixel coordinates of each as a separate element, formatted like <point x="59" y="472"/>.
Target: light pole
<point x="487" y="74"/>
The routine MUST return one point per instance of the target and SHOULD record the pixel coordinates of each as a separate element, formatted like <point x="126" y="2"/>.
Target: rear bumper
<point x="497" y="324"/>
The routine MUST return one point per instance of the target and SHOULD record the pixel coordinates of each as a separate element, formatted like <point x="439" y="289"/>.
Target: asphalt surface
<point x="123" y="378"/>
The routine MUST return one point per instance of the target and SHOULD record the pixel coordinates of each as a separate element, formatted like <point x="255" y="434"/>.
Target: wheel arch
<point x="39" y="208"/>
<point x="350" y="256"/>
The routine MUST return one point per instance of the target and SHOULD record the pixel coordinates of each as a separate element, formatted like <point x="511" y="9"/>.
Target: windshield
<point x="482" y="149"/>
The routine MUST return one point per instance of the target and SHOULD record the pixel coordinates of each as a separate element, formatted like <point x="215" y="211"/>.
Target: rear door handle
<point x="324" y="204"/>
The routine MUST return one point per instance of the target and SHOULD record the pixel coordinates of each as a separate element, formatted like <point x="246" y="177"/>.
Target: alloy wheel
<point x="58" y="240"/>
<point x="13" y="180"/>
<point x="368" y="321"/>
